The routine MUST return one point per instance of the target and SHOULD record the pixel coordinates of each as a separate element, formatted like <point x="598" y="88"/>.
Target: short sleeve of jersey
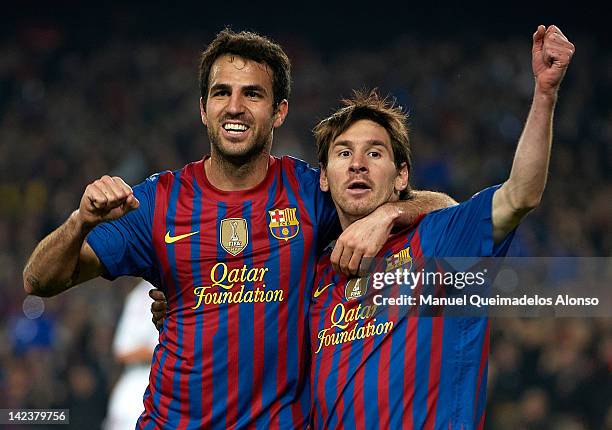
<point x="326" y="218"/>
<point x="124" y="246"/>
<point x="464" y="230"/>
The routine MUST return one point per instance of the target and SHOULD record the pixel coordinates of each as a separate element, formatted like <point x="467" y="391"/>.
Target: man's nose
<point x="358" y="164"/>
<point x="235" y="105"/>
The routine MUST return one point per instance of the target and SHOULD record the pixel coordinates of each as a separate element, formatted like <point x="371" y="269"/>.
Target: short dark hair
<point x="367" y="105"/>
<point x="253" y="47"/>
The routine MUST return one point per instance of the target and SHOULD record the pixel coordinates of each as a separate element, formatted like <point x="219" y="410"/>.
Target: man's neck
<point x="226" y="176"/>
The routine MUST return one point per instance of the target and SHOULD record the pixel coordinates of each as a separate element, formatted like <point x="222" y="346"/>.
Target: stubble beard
<point x="354" y="210"/>
<point x="242" y="159"/>
<point x="357" y="209"/>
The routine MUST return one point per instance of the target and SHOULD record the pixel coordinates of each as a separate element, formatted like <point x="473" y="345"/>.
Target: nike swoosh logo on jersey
<point x="318" y="291"/>
<point x="172" y="239"/>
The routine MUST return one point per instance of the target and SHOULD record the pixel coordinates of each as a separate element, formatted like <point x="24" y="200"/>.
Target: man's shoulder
<point x="166" y="177"/>
<point x="302" y="169"/>
<point x="480" y="201"/>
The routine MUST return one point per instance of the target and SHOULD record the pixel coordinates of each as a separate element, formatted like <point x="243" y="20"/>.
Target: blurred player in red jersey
<point x="232" y="241"/>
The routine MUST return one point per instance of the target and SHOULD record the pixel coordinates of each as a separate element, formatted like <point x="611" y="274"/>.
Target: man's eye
<point x="252" y="94"/>
<point x="344" y="153"/>
<point x="220" y="93"/>
<point x="374" y="154"/>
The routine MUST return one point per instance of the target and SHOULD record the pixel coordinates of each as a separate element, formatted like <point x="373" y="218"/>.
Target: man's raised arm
<point x="63" y="258"/>
<point x="522" y="192"/>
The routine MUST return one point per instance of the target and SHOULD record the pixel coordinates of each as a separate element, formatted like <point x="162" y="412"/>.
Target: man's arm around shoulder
<point x="365" y="237"/>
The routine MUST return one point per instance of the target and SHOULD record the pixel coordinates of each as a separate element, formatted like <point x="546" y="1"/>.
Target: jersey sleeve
<point x="464" y="230"/>
<point x="327" y="220"/>
<point x="124" y="246"/>
<point x="323" y="214"/>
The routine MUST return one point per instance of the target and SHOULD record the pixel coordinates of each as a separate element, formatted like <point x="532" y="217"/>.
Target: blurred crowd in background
<point x="69" y="115"/>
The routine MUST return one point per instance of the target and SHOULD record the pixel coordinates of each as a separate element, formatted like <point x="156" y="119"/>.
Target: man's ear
<point x="281" y="113"/>
<point x="323" y="184"/>
<point x="401" y="180"/>
<point x="203" y="113"/>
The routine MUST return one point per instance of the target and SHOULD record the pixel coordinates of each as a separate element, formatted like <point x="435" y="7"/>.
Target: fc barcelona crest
<point x="234" y="235"/>
<point x="284" y="223"/>
<point x="400" y="259"/>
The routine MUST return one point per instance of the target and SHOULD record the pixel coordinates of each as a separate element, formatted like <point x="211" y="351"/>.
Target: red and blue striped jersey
<point x="237" y="269"/>
<point x="391" y="367"/>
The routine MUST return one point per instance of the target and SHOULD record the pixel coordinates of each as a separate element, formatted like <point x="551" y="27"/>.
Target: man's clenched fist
<point x="550" y="56"/>
<point x="106" y="199"/>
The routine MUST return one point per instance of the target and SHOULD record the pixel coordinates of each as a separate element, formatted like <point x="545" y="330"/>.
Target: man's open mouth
<point x="359" y="185"/>
<point x="235" y="127"/>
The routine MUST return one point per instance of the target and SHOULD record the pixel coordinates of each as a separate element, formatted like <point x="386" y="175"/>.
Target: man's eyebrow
<point x="371" y="142"/>
<point x="217" y="87"/>
<point x="342" y="143"/>
<point x="255" y="87"/>
<point x="227" y="87"/>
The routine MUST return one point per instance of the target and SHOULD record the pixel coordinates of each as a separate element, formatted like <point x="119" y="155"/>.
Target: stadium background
<point x="86" y="91"/>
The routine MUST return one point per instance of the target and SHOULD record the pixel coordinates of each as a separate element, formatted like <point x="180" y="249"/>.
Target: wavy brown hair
<point x="367" y="105"/>
<point x="250" y="46"/>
